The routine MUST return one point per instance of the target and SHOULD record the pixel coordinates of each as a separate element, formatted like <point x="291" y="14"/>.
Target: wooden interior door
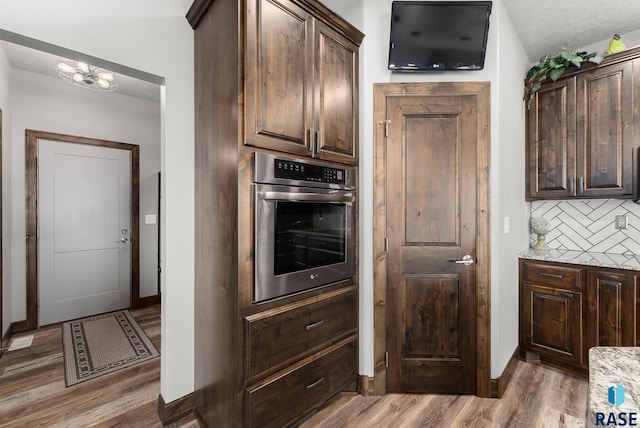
<point x="432" y="218"/>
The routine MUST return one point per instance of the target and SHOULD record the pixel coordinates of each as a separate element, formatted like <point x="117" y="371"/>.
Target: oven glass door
<point x="308" y="235"/>
<point x="304" y="239"/>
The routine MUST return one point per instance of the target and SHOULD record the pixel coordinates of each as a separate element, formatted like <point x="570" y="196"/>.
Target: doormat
<point x="103" y="344"/>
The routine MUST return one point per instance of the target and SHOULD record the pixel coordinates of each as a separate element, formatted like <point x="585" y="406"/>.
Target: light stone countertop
<point x="618" y="261"/>
<point x="608" y="366"/>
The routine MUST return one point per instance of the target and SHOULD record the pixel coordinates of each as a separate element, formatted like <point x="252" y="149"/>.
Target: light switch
<point x="507" y="225"/>
<point x="150" y="219"/>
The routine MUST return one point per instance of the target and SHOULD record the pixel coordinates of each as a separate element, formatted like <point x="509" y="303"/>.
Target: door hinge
<point x="386" y="245"/>
<point x="37" y="233"/>
<point x="386" y="359"/>
<point x="386" y="123"/>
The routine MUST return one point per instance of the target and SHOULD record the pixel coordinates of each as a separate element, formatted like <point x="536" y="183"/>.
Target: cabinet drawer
<point x="563" y="277"/>
<point x="277" y="338"/>
<point x="285" y="398"/>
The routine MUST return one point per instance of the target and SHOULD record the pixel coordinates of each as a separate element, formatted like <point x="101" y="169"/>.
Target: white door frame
<point x="32" y="138"/>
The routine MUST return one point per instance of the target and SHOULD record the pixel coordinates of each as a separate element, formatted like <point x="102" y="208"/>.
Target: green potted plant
<point x="552" y="68"/>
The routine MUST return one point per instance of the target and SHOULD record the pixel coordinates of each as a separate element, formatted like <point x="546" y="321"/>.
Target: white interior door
<point x="84" y="254"/>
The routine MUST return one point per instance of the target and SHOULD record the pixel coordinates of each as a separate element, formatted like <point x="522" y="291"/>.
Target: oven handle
<point x="291" y="196"/>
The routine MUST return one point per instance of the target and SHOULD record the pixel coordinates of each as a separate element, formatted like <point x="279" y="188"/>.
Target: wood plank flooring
<point x="537" y="396"/>
<point x="33" y="394"/>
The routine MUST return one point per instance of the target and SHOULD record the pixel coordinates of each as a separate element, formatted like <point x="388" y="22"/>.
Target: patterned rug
<point x="103" y="344"/>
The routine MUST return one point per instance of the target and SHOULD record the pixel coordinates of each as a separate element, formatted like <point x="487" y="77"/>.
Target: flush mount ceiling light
<point x="87" y="76"/>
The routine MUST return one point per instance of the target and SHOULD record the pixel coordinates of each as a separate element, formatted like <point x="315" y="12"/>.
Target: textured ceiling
<point x="37" y="61"/>
<point x="545" y="25"/>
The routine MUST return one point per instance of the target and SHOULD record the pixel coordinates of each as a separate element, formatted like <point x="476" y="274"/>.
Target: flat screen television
<point x="438" y="35"/>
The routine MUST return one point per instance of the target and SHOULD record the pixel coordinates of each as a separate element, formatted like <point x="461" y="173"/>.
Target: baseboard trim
<point x="145" y="301"/>
<point x="177" y="409"/>
<point x="366" y="385"/>
<point x="18" y="327"/>
<point x="499" y="385"/>
<point x="4" y="343"/>
<point x="14" y="327"/>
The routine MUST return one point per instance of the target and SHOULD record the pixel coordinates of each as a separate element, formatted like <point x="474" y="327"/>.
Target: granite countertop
<point x="613" y="367"/>
<point x="618" y="261"/>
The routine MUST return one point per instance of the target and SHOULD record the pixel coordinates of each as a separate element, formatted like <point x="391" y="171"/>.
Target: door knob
<point x="123" y="240"/>
<point x="466" y="260"/>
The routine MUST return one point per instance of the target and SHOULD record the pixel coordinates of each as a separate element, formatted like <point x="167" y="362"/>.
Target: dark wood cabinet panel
<point x="551" y="137"/>
<point x="337" y="89"/>
<point x="278" y="337"/>
<point x="282" y="400"/>
<point x="302" y="83"/>
<point x="269" y="76"/>
<point x="562" y="277"/>
<point x="553" y="322"/>
<point x="279" y="76"/>
<point x="605" y="140"/>
<point x="567" y="309"/>
<point x="581" y="139"/>
<point x="611" y="316"/>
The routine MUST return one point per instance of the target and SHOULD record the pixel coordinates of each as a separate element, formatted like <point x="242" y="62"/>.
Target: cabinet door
<point x="611" y="299"/>
<point x="337" y="97"/>
<point x="279" y="72"/>
<point x="551" y="142"/>
<point x="605" y="131"/>
<point x="552" y="322"/>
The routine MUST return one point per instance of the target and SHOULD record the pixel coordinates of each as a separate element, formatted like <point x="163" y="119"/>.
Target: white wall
<point x="507" y="190"/>
<point x="631" y="39"/>
<point x="505" y="66"/>
<point x="5" y="106"/>
<point x="49" y="104"/>
<point x="152" y="36"/>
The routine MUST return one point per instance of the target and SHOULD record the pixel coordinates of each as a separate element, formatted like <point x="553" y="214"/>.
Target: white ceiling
<point x="25" y="58"/>
<point x="545" y="25"/>
<point x="542" y="25"/>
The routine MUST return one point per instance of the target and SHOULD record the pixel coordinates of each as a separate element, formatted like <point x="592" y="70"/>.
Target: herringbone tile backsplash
<point x="589" y="225"/>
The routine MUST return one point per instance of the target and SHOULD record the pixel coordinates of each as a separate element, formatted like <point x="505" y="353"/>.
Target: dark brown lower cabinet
<point x="553" y="323"/>
<point x="566" y="309"/>
<point x="611" y="308"/>
<point x="283" y="399"/>
<point x="298" y="356"/>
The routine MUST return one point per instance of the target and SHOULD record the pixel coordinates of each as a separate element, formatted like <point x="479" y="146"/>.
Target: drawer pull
<point x="551" y="275"/>
<point x="314" y="325"/>
<point x="314" y="384"/>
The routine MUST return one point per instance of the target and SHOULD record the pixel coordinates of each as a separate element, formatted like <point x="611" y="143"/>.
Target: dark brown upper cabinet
<point x="301" y="83"/>
<point x="581" y="141"/>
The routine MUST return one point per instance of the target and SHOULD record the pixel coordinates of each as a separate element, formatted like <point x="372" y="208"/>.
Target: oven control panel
<point x="293" y="170"/>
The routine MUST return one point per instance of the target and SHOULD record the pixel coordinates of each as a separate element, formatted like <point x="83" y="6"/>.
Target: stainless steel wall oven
<point x="304" y="225"/>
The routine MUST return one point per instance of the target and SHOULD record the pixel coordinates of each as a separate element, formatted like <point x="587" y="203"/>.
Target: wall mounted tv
<point x="438" y="35"/>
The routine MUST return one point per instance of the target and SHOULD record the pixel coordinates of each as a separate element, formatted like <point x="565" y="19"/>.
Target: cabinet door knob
<point x="571" y="186"/>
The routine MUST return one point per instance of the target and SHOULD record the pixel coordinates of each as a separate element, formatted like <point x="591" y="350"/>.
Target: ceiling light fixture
<point x="87" y="76"/>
